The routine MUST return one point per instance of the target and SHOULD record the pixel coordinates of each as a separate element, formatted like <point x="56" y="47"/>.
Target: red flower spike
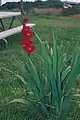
<point x="25" y="20"/>
<point x="29" y="49"/>
<point x="25" y="41"/>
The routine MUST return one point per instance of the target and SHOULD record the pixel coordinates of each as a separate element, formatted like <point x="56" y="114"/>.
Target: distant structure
<point x="69" y="4"/>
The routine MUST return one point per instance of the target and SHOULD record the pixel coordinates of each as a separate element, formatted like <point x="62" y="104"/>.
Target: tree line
<point x="37" y="4"/>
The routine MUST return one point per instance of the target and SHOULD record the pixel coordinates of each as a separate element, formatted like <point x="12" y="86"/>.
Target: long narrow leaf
<point x="35" y="76"/>
<point x="72" y="76"/>
<point x="19" y="101"/>
<point x="55" y="67"/>
<point x="45" y="53"/>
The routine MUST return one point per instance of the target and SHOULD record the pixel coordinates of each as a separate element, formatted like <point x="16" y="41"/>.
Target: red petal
<point x="25" y="20"/>
<point x="29" y="42"/>
<point x="29" y="34"/>
<point x="25" y="41"/>
<point x="26" y="32"/>
<point x="25" y="27"/>
<point x="29" y="49"/>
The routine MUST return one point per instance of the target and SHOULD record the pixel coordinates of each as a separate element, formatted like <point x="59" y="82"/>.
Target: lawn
<point x="66" y="29"/>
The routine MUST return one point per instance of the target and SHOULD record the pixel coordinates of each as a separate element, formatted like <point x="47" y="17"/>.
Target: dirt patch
<point x="48" y="10"/>
<point x="76" y="16"/>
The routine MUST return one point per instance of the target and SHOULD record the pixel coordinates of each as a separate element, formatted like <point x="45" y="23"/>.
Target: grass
<point x="66" y="29"/>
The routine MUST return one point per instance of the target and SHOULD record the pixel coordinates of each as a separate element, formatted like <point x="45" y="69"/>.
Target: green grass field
<point x="66" y="29"/>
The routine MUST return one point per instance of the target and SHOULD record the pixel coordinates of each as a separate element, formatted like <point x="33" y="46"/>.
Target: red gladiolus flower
<point x="25" y="41"/>
<point x="29" y="42"/>
<point x="25" y="20"/>
<point x="29" y="34"/>
<point x="29" y="49"/>
<point x="24" y="26"/>
<point x="26" y="32"/>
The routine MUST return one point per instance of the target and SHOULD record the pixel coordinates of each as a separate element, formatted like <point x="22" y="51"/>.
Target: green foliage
<point x="36" y="4"/>
<point x="49" y="89"/>
<point x="54" y="4"/>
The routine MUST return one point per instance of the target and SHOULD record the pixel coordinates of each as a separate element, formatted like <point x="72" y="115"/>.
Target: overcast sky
<point x="3" y="1"/>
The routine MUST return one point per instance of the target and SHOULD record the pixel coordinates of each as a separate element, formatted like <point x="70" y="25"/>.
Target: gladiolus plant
<point x="49" y="93"/>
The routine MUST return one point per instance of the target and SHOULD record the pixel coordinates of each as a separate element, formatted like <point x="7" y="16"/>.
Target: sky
<point x="4" y="1"/>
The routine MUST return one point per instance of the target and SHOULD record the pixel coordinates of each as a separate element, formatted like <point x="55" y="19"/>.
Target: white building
<point x="70" y="4"/>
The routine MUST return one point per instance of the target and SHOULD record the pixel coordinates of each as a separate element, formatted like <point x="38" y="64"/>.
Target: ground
<point x="66" y="29"/>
